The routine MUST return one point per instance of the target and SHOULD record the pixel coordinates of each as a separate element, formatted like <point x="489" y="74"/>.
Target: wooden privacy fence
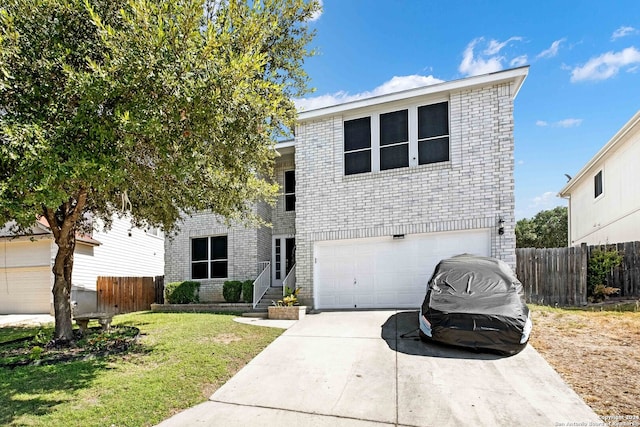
<point x="559" y="275"/>
<point x="127" y="294"/>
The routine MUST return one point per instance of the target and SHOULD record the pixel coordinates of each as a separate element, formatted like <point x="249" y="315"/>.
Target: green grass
<point x="181" y="358"/>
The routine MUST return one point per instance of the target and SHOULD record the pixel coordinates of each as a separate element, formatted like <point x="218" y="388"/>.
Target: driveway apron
<point x="368" y="368"/>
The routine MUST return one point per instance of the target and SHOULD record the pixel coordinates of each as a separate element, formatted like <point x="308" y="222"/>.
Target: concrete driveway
<point x="368" y="368"/>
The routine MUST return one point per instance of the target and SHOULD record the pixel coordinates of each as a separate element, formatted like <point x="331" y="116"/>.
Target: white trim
<point x="283" y="258"/>
<point x="609" y="146"/>
<point x="516" y="75"/>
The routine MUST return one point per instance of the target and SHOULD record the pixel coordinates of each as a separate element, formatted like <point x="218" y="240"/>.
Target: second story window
<point x="417" y="135"/>
<point x="357" y="146"/>
<point x="597" y="184"/>
<point x="394" y="140"/>
<point x="290" y="191"/>
<point x="433" y="133"/>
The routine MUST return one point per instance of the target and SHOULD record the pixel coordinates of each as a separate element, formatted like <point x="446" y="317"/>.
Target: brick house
<point x="374" y="193"/>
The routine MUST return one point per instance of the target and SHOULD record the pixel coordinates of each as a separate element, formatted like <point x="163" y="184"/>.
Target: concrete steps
<point x="273" y="294"/>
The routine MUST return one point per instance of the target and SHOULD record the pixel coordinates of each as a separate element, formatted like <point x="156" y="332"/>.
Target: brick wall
<point x="242" y="248"/>
<point x="470" y="191"/>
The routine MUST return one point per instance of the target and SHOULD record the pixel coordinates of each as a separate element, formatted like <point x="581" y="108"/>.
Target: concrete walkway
<point x="25" y="319"/>
<point x="368" y="368"/>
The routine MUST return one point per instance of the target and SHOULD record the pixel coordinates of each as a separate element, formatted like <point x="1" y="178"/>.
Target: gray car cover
<point x="476" y="302"/>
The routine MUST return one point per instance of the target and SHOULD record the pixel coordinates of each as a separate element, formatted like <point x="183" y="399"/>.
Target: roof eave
<point x="517" y="75"/>
<point x="610" y="145"/>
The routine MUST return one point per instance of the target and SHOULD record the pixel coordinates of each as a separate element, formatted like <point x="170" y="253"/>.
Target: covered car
<point x="476" y="302"/>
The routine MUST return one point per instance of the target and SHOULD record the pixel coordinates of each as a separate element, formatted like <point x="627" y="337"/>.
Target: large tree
<point x="151" y="109"/>
<point x="547" y="229"/>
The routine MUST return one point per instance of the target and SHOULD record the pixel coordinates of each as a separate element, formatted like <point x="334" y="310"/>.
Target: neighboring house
<point x="604" y="197"/>
<point x="26" y="279"/>
<point x="374" y="193"/>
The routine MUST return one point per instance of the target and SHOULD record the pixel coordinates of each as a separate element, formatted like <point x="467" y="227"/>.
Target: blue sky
<point x="583" y="84"/>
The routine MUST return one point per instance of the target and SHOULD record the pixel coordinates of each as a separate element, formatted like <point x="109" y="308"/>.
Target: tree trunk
<point x="62" y="268"/>
<point x="63" y="225"/>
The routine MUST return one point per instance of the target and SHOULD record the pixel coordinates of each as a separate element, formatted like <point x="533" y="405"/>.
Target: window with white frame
<point x="597" y="184"/>
<point x="209" y="257"/>
<point x="289" y="191"/>
<point x="394" y="140"/>
<point x="357" y="146"/>
<point x="413" y="136"/>
<point x="433" y="133"/>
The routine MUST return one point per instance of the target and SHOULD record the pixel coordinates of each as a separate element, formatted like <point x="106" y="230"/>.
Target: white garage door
<point x="25" y="290"/>
<point x="383" y="272"/>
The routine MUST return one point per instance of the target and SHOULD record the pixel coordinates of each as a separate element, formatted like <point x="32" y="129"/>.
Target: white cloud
<point x="623" y="32"/>
<point x="396" y="84"/>
<point x="496" y="46"/>
<point x="606" y="65"/>
<point x="318" y="13"/>
<point x="544" y="201"/>
<point x="565" y="123"/>
<point x="488" y="60"/>
<point x="552" y="50"/>
<point x="520" y="162"/>
<point x="518" y="61"/>
<point x="568" y="123"/>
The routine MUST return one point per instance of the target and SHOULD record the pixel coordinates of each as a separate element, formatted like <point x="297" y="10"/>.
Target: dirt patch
<point x="597" y="353"/>
<point x="226" y="338"/>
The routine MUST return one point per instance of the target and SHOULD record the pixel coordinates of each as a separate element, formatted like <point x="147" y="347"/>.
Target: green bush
<point x="600" y="264"/>
<point x="182" y="292"/>
<point x="247" y="291"/>
<point x="231" y="290"/>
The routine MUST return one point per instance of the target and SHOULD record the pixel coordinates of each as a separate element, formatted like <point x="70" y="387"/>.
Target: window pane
<point x="357" y="162"/>
<point x="199" y="250"/>
<point x="290" y="182"/>
<point x="290" y="202"/>
<point x="357" y="134"/>
<point x="433" y="120"/>
<point x="394" y="157"/>
<point x="219" y="247"/>
<point x="199" y="270"/>
<point x="598" y="184"/>
<point x="218" y="269"/>
<point x="394" y="127"/>
<point x="433" y="151"/>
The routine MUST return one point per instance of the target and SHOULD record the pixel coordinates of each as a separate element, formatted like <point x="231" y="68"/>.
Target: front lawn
<point x="180" y="360"/>
<point x="596" y="352"/>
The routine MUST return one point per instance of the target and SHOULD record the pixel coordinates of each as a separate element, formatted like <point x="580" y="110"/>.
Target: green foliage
<point x="290" y="297"/>
<point x="547" y="229"/>
<point x="601" y="263"/>
<point x="231" y="290"/>
<point x="182" y="292"/>
<point x="185" y="352"/>
<point x="146" y="109"/>
<point x="36" y="353"/>
<point x="247" y="291"/>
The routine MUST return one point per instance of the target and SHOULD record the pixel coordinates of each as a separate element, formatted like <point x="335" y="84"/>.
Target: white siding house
<point x="26" y="279"/>
<point x="373" y="194"/>
<point x="604" y="196"/>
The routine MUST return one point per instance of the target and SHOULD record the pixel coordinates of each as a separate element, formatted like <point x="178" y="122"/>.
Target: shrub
<point x="231" y="290"/>
<point x="247" y="291"/>
<point x="182" y="292"/>
<point x="600" y="264"/>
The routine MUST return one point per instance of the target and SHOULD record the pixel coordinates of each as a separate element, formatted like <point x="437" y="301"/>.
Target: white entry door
<point x="383" y="272"/>
<point x="283" y="258"/>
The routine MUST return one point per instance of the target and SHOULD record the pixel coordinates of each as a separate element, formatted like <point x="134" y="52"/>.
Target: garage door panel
<point x="25" y="290"/>
<point x="388" y="273"/>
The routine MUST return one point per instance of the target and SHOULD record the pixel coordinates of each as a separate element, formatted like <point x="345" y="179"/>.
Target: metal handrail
<point x="262" y="282"/>
<point x="289" y="281"/>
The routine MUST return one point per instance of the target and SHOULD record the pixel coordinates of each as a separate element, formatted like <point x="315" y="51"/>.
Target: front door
<point x="283" y="257"/>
